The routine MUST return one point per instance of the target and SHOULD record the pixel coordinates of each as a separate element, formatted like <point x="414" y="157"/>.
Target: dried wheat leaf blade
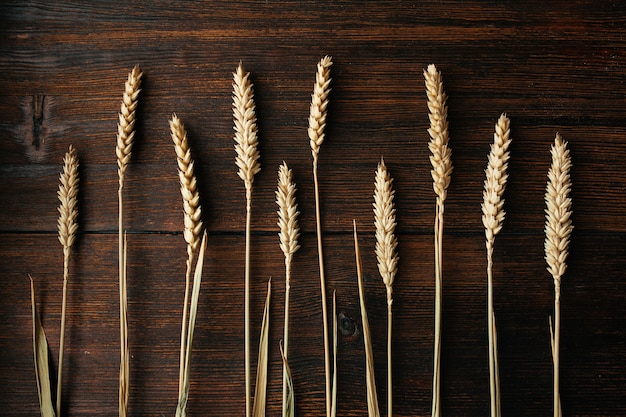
<point x="40" y="351"/>
<point x="260" y="392"/>
<point x="290" y="403"/>
<point x="372" y="398"/>
<point x="193" y="311"/>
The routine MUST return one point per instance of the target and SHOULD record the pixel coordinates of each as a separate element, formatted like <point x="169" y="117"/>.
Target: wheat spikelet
<point x="385" y="222"/>
<point x="441" y="172"/>
<point x="126" y="123"/>
<point x="67" y="225"/>
<point x="287" y="211"/>
<point x="68" y="191"/>
<point x="493" y="216"/>
<point x="386" y="243"/>
<point x="192" y="222"/>
<point x="495" y="181"/>
<point x="245" y="126"/>
<point x="438" y="131"/>
<point x="558" y="226"/>
<point x="288" y="235"/>
<point x="319" y="104"/>
<point x="558" y="229"/>
<point x="188" y="185"/>
<point x="247" y="160"/>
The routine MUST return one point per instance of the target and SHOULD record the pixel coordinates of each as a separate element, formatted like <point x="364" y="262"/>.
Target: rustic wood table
<point x="553" y="67"/>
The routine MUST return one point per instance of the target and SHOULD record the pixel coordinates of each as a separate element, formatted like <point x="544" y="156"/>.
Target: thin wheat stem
<point x="67" y="227"/>
<point x="247" y="159"/>
<point x="317" y="124"/>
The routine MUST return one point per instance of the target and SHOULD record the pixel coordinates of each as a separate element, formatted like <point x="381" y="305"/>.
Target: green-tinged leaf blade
<point x="193" y="310"/>
<point x="290" y="408"/>
<point x="372" y="398"/>
<point x="40" y="351"/>
<point x="333" y="403"/>
<point x="260" y="390"/>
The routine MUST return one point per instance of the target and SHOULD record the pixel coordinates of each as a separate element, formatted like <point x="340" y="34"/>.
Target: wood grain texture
<point x="551" y="66"/>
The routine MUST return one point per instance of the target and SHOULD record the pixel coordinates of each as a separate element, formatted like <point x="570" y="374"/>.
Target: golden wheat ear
<point x="558" y="229"/>
<point x="441" y="173"/>
<point x="191" y="234"/>
<point x="288" y="235"/>
<point x="317" y="125"/>
<point x="247" y="160"/>
<point x="124" y="144"/>
<point x="493" y="217"/>
<point x="67" y="225"/>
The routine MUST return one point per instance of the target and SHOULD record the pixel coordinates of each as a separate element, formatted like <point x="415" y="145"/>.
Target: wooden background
<point x="554" y="66"/>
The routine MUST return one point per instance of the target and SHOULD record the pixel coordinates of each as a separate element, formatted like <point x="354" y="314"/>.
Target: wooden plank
<point x="592" y="342"/>
<point x="552" y="66"/>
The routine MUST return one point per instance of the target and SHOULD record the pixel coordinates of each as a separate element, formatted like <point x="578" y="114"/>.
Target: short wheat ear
<point x="441" y="173"/>
<point x="493" y="217"/>
<point x="246" y="147"/>
<point x="558" y="230"/>
<point x="191" y="233"/>
<point x="124" y="144"/>
<point x="67" y="225"/>
<point x="289" y="233"/>
<point x="386" y="243"/>
<point x="317" y="125"/>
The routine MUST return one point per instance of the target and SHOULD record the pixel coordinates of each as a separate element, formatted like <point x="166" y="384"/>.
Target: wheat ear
<point x="558" y="230"/>
<point x="493" y="217"/>
<point x="246" y="146"/>
<point x="317" y="124"/>
<point x="386" y="243"/>
<point x="67" y="225"/>
<point x="124" y="144"/>
<point x="193" y="222"/>
<point x="289" y="233"/>
<point x="441" y="173"/>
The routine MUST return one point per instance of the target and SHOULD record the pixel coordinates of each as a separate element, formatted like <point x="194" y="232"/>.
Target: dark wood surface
<point x="551" y="66"/>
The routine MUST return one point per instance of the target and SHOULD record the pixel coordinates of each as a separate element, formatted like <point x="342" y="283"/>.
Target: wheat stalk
<point x="493" y="216"/>
<point x="317" y="124"/>
<point x="558" y="229"/>
<point x="246" y="146"/>
<point x="441" y="172"/>
<point x="124" y="144"/>
<point x="386" y="243"/>
<point x="68" y="213"/>
<point x="289" y="233"/>
<point x="192" y="221"/>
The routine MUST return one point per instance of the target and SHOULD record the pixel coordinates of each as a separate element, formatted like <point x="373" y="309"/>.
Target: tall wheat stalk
<point x="67" y="225"/>
<point x="289" y="233"/>
<point x="124" y="144"/>
<point x="386" y="243"/>
<point x="246" y="146"/>
<point x="493" y="217"/>
<point x="193" y="222"/>
<point x="317" y="124"/>
<point x="558" y="229"/>
<point x="441" y="173"/>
